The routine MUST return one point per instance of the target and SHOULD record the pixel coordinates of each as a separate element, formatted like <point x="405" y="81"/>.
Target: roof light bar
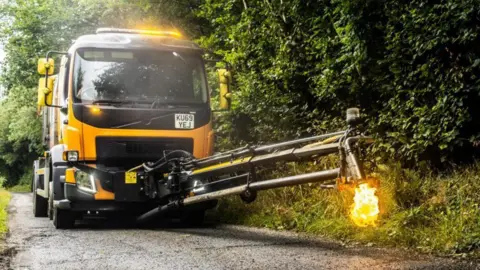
<point x="138" y="32"/>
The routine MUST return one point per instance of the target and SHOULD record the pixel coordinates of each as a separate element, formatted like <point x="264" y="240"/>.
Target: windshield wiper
<point x="110" y="102"/>
<point x="107" y="101"/>
<point x="146" y="122"/>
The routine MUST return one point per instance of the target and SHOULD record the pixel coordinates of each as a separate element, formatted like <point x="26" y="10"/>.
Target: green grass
<point x="24" y="183"/>
<point x="419" y="210"/>
<point x="4" y="199"/>
<point x="20" y="188"/>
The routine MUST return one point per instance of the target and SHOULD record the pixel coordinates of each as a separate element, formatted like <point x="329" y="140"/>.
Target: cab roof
<point x="111" y="38"/>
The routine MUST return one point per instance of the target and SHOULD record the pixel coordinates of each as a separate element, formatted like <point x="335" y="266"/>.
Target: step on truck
<point x="127" y="128"/>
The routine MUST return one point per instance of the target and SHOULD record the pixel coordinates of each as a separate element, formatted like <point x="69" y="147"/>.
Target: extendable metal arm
<point x="262" y="185"/>
<point x="231" y="173"/>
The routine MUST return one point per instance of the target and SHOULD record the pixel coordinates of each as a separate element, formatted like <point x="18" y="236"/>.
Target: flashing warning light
<point x="139" y="32"/>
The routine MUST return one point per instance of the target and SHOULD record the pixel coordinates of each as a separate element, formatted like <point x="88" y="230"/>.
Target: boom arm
<point x="185" y="180"/>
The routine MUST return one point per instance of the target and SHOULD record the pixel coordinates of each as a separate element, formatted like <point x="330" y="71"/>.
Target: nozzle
<point x="353" y="116"/>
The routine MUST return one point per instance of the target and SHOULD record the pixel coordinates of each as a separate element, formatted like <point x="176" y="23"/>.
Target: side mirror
<point x="225" y="79"/>
<point x="45" y="66"/>
<point x="45" y="96"/>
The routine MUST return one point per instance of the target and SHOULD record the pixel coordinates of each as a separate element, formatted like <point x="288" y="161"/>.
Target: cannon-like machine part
<point x="179" y="180"/>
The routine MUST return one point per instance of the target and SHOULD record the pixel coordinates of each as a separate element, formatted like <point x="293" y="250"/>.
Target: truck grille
<point x="125" y="150"/>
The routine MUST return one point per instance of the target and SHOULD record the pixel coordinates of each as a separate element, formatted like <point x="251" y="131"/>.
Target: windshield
<point x="141" y="75"/>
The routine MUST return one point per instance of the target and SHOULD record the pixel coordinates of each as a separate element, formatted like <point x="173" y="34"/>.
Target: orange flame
<point x="365" y="207"/>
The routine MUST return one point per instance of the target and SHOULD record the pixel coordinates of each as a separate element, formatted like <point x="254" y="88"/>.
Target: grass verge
<point x="20" y="188"/>
<point x="24" y="183"/>
<point x="429" y="212"/>
<point x="4" y="199"/>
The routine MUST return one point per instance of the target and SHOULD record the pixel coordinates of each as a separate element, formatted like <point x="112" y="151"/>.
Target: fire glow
<point x="365" y="207"/>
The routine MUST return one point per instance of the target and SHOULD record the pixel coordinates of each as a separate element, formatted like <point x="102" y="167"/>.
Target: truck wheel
<point x="50" y="200"/>
<point x="63" y="219"/>
<point x="40" y="204"/>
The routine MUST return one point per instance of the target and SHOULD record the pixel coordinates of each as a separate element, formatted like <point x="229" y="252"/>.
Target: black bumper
<point x="110" y="181"/>
<point x="127" y="196"/>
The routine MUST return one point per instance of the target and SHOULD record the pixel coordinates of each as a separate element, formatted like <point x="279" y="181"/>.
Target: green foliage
<point x="20" y="188"/>
<point x="410" y="65"/>
<point x="20" y="133"/>
<point x="150" y="14"/>
<point x="31" y="28"/>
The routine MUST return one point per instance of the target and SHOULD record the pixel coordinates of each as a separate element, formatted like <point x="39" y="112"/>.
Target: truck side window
<point x="62" y="82"/>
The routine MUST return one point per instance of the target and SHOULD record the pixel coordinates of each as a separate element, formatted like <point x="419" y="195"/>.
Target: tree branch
<point x="245" y="4"/>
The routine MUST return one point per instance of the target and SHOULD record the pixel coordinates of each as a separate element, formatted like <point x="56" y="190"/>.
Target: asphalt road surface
<point x="35" y="244"/>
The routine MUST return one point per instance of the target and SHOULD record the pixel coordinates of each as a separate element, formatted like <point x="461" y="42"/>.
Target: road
<point x="36" y="244"/>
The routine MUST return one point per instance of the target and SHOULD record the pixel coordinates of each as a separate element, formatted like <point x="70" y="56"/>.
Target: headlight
<point x="71" y="156"/>
<point x="85" y="181"/>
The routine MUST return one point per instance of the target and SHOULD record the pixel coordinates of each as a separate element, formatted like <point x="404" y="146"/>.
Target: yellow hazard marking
<point x="221" y="165"/>
<point x="130" y="177"/>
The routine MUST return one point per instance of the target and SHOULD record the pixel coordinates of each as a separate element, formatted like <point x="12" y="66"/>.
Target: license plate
<point x="184" y="121"/>
<point x="130" y="177"/>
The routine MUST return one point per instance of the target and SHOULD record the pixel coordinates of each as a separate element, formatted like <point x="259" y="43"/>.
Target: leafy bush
<point x="20" y="134"/>
<point x="412" y="66"/>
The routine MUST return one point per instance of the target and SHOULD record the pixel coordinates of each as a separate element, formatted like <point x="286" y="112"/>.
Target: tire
<point x="40" y="204"/>
<point x="63" y="219"/>
<point x="50" y="201"/>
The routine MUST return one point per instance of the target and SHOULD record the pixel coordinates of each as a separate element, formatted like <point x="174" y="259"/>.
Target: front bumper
<point x="103" y="181"/>
<point x="126" y="194"/>
<point x="79" y="201"/>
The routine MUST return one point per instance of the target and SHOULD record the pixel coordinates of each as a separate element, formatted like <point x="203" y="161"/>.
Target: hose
<point x="182" y="153"/>
<point x="164" y="161"/>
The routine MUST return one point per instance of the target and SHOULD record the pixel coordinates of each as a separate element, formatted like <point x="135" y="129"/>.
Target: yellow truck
<point x="127" y="123"/>
<point x="121" y="97"/>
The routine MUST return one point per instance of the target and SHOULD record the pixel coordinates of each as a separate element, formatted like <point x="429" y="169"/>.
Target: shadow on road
<point x="129" y="222"/>
<point x="210" y="229"/>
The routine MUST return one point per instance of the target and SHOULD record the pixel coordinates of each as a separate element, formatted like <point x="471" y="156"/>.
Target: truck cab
<point x="121" y="98"/>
